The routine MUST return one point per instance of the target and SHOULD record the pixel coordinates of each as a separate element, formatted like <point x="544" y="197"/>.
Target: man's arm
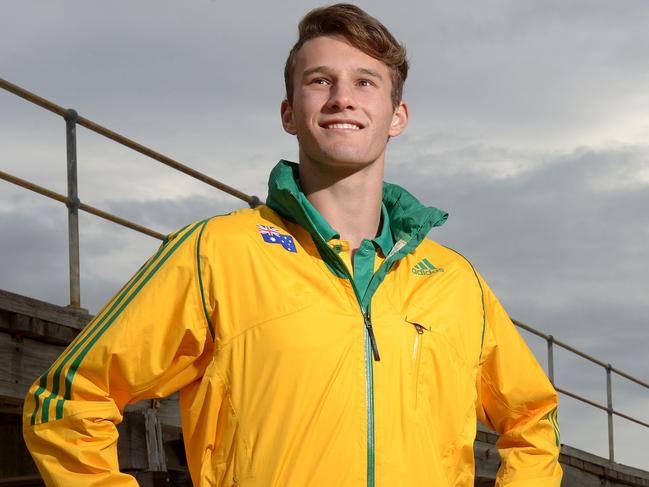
<point x="518" y="401"/>
<point x="151" y="339"/>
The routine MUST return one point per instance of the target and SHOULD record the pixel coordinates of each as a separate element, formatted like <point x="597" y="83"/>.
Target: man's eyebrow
<point x="316" y="69"/>
<point x="326" y="69"/>
<point x="370" y="72"/>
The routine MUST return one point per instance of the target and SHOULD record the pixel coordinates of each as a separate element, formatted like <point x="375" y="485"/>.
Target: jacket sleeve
<point x="152" y="339"/>
<point x="518" y="401"/>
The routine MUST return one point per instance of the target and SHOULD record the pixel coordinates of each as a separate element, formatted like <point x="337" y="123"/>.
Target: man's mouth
<point x="342" y="125"/>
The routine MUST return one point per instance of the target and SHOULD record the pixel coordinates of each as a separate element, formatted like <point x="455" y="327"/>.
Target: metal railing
<point x="72" y="119"/>
<point x="609" y="370"/>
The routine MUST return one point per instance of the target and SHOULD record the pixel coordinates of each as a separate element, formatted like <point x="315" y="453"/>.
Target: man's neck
<point x="349" y="201"/>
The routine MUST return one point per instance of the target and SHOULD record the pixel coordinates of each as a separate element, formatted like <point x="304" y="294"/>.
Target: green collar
<point x="409" y="221"/>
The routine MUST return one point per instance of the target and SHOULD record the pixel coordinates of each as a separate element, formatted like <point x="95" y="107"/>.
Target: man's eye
<point x="365" y="82"/>
<point x="319" y="81"/>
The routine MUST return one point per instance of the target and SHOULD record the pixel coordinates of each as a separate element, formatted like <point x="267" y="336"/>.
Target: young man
<point x="317" y="340"/>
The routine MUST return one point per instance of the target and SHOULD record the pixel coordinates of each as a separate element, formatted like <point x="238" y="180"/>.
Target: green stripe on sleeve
<point x="88" y="333"/>
<point x="554" y="419"/>
<point x="69" y="377"/>
<point x="82" y="339"/>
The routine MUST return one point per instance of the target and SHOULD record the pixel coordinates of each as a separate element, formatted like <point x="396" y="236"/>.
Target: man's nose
<point x="341" y="97"/>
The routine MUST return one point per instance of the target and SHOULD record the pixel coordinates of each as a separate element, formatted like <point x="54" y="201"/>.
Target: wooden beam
<point x="22" y="481"/>
<point x="154" y="446"/>
<point x="20" y="326"/>
<point x="17" y="463"/>
<point x="61" y="315"/>
<point x="131" y="446"/>
<point x="23" y="316"/>
<point x="22" y="361"/>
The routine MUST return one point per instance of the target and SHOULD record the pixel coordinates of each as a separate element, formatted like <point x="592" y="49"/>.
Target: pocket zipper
<point x="416" y="357"/>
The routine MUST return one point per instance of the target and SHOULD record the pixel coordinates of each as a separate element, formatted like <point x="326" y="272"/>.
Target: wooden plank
<point x="169" y="411"/>
<point x="9" y="405"/>
<point x="131" y="446"/>
<point x="22" y="361"/>
<point x="174" y="448"/>
<point x="61" y="315"/>
<point x="152" y="479"/>
<point x="22" y="481"/>
<point x="487" y="462"/>
<point x="154" y="445"/>
<point x="16" y="461"/>
<point x="27" y="326"/>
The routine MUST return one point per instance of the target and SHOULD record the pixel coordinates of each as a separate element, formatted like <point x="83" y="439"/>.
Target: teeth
<point x="343" y="126"/>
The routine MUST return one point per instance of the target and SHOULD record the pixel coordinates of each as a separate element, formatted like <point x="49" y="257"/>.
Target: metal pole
<point x="609" y="412"/>
<point x="71" y="118"/>
<point x="551" y="358"/>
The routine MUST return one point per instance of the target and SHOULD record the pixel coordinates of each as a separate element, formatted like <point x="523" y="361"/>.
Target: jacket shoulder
<point x="443" y="257"/>
<point x="238" y="226"/>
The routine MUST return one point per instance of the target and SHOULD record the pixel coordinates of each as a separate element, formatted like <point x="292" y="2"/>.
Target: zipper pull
<point x="368" y="325"/>
<point x="420" y="329"/>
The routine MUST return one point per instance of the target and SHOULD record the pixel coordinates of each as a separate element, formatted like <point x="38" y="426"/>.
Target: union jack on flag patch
<point x="272" y="235"/>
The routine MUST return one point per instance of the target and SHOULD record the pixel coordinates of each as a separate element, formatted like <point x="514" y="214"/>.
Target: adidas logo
<point x="425" y="268"/>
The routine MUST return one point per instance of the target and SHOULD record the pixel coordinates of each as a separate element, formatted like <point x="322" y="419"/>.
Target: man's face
<point x="341" y="110"/>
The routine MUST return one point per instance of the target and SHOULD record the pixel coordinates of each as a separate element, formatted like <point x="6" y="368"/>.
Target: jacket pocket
<point x="420" y="335"/>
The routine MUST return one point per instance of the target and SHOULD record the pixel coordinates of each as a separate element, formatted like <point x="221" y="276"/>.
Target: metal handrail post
<point x="71" y="117"/>
<point x="550" y="341"/>
<point x="254" y="202"/>
<point x="609" y="412"/>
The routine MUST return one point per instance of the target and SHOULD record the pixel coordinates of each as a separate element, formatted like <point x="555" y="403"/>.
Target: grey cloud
<point x="34" y="252"/>
<point x="174" y="213"/>
<point x="527" y="69"/>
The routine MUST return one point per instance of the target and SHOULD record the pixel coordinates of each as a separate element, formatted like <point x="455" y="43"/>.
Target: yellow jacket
<point x="270" y="343"/>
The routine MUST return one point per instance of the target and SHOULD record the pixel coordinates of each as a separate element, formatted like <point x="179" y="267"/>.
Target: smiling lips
<point x="346" y="125"/>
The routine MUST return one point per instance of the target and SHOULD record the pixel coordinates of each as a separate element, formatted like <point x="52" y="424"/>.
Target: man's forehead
<point x="333" y="53"/>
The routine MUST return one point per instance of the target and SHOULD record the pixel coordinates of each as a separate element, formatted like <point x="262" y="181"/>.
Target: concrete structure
<point x="33" y="333"/>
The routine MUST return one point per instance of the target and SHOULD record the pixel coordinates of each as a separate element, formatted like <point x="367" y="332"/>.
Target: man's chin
<point x="340" y="160"/>
<point x="349" y="165"/>
<point x="347" y="159"/>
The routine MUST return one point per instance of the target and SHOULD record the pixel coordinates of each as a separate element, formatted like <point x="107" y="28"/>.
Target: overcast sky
<point x="529" y="125"/>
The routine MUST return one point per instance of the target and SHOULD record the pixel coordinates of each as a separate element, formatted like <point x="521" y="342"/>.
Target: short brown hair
<point x="362" y="31"/>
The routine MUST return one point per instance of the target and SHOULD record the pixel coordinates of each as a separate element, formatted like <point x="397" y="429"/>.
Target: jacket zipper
<point x="371" y="354"/>
<point x="370" y="331"/>
<point x="370" y="347"/>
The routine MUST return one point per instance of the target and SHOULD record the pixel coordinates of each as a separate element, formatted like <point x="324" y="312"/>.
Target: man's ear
<point x="286" y="112"/>
<point x="399" y="119"/>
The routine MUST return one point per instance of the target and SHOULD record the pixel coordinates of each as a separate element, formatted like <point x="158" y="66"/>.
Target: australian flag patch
<point x="271" y="235"/>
